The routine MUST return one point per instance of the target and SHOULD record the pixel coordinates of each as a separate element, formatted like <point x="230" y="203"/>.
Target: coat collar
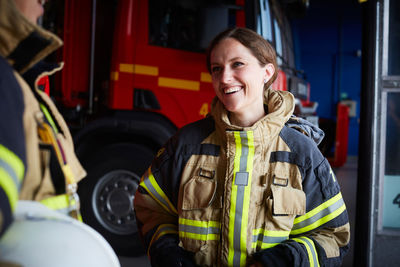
<point x="280" y="107"/>
<point x="23" y="43"/>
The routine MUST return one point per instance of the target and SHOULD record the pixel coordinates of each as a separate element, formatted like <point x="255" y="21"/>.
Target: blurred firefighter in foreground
<point x="37" y="159"/>
<point x="243" y="186"/>
<point x="36" y="148"/>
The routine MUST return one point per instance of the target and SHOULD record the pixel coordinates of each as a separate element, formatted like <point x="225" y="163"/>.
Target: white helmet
<point x="42" y="237"/>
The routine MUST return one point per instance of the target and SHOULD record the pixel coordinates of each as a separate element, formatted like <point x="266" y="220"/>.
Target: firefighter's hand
<point x="174" y="257"/>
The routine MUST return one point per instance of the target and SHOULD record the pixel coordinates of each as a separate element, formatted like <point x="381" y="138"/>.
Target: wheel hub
<point x="112" y="201"/>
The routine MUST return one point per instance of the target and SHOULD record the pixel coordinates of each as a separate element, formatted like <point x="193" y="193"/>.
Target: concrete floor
<point x="347" y="177"/>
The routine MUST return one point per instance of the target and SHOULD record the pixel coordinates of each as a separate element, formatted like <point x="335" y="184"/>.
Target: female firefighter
<point x="242" y="186"/>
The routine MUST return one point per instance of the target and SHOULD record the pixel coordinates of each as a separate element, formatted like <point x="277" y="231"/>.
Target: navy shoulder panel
<point x="303" y="150"/>
<point x="12" y="108"/>
<point x="190" y="138"/>
<point x="197" y="131"/>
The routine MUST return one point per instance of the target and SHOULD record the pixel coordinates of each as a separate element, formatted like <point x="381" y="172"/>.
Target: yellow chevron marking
<point x="114" y="76"/>
<point x="139" y="69"/>
<point x="205" y="77"/>
<point x="179" y="84"/>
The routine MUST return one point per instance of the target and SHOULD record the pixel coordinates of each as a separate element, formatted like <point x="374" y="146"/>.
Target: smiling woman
<point x="241" y="187"/>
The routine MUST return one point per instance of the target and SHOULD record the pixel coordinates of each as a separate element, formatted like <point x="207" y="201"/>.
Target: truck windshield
<point x="188" y="24"/>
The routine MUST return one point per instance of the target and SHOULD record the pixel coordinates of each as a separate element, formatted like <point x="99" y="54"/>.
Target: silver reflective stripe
<point x="269" y="239"/>
<point x="328" y="210"/>
<point x="154" y="192"/>
<point x="239" y="200"/>
<point x="313" y="252"/>
<point x="11" y="172"/>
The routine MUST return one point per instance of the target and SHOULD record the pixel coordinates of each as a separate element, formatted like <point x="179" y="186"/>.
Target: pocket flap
<point x="198" y="193"/>
<point x="288" y="200"/>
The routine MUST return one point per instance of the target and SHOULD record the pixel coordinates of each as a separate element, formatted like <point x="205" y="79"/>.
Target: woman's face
<point x="238" y="78"/>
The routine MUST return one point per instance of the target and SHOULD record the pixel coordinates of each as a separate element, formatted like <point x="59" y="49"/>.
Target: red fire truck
<point x="135" y="72"/>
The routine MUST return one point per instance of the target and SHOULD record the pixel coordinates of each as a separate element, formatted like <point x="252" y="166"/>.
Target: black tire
<point x="107" y="194"/>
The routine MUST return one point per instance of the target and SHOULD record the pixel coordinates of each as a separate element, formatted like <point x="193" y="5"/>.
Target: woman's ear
<point x="269" y="71"/>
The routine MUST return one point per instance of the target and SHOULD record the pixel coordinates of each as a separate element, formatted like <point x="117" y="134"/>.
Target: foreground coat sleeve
<point x="321" y="236"/>
<point x="12" y="144"/>
<point x="155" y="207"/>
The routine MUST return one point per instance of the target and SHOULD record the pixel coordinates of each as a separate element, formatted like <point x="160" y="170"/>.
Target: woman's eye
<point x="215" y="69"/>
<point x="237" y="64"/>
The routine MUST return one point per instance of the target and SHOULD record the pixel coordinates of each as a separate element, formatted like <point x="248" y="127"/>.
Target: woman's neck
<point x="246" y="119"/>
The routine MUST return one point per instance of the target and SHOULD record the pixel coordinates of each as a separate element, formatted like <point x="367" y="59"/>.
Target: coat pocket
<point x="283" y="206"/>
<point x="288" y="201"/>
<point x="199" y="193"/>
<point x="199" y="220"/>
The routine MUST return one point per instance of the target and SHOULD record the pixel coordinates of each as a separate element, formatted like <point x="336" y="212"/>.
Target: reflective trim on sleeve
<point x="263" y="239"/>
<point x="320" y="215"/>
<point x="240" y="198"/>
<point x="199" y="230"/>
<point x="163" y="229"/>
<point x="150" y="184"/>
<point x="11" y="172"/>
<point x="61" y="203"/>
<point x="311" y="251"/>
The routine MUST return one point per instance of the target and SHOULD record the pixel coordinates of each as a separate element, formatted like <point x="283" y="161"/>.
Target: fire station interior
<point x="339" y="58"/>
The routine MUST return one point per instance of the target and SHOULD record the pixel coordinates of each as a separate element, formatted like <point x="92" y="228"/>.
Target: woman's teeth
<point x="231" y="90"/>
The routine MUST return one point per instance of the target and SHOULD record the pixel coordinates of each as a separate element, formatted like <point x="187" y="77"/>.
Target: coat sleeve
<point x="156" y="212"/>
<point x="321" y="236"/>
<point x="12" y="144"/>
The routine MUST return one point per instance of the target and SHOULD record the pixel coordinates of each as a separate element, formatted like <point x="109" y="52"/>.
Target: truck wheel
<point x="108" y="191"/>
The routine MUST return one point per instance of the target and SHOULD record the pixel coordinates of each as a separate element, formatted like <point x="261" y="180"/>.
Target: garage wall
<point x="328" y="44"/>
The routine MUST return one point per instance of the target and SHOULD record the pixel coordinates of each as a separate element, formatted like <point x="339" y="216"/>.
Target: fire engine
<point x="135" y="72"/>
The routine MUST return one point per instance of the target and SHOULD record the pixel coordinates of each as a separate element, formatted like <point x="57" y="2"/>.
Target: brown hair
<point x="258" y="46"/>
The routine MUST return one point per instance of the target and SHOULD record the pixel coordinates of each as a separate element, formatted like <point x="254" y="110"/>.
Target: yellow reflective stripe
<point x="152" y="187"/>
<point x="322" y="214"/>
<point x="246" y="199"/>
<point x="199" y="230"/>
<point x="59" y="202"/>
<point x="320" y="221"/>
<point x="62" y="203"/>
<point x="48" y="117"/>
<point x="311" y="251"/>
<point x="318" y="209"/>
<point x="268" y="238"/>
<point x="11" y="172"/>
<point x="202" y="237"/>
<point x="240" y="198"/>
<point x="13" y="161"/>
<point x="236" y="166"/>
<point x="163" y="229"/>
<point x="9" y="187"/>
<point x="200" y="223"/>
<point x="275" y="233"/>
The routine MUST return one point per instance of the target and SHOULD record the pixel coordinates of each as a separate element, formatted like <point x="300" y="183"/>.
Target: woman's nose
<point x="226" y="75"/>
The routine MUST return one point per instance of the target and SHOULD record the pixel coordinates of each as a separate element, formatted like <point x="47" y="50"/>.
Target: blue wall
<point x="327" y="40"/>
